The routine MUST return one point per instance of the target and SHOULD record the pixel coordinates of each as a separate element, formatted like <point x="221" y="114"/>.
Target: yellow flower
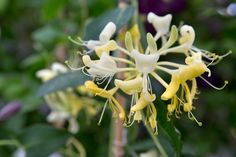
<point x="108" y="94"/>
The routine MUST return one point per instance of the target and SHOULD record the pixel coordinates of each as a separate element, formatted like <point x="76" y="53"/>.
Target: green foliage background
<point x="34" y="34"/>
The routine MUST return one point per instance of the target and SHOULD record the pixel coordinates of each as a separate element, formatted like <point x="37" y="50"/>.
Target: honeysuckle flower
<point x="141" y="64"/>
<point x="104" y="39"/>
<point x="194" y="68"/>
<point x="108" y="94"/>
<point x="160" y="23"/>
<point x="65" y="105"/>
<point x="103" y="68"/>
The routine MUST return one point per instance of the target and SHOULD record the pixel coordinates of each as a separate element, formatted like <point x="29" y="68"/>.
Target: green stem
<point x="9" y="142"/>
<point x="156" y="141"/>
<point x="111" y="138"/>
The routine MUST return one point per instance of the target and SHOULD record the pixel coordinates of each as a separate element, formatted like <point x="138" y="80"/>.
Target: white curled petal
<point x="107" y="32"/>
<point x="145" y="63"/>
<point x="105" y="67"/>
<point x="187" y="35"/>
<point x="160" y="23"/>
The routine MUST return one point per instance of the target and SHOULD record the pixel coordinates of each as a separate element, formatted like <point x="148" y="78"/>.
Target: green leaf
<point x="70" y="79"/>
<point x="51" y="8"/>
<point x="170" y="136"/>
<point x="42" y="140"/>
<point x="46" y="35"/>
<point x="118" y="16"/>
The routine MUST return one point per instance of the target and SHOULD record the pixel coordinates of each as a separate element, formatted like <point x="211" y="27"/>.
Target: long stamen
<point x="170" y="64"/>
<point x="125" y="69"/>
<point x="124" y="50"/>
<point x="192" y="117"/>
<point x="217" y="88"/>
<point x="75" y="42"/>
<point x="123" y="60"/>
<point x="159" y="79"/>
<point x="169" y="71"/>
<point x="72" y="68"/>
<point x="103" y="111"/>
<point x="149" y="84"/>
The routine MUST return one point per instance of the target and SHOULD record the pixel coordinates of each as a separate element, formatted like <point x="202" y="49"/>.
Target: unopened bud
<point x="9" y="110"/>
<point x="107" y="32"/>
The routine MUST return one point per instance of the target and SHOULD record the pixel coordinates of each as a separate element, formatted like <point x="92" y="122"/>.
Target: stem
<point x="156" y="142"/>
<point x="111" y="138"/>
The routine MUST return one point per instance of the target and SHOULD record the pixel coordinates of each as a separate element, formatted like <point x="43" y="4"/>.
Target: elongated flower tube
<point x="130" y="87"/>
<point x="108" y="94"/>
<point x="194" y="68"/>
<point x="107" y="32"/>
<point x="91" y="86"/>
<point x="109" y="46"/>
<point x="144" y="100"/>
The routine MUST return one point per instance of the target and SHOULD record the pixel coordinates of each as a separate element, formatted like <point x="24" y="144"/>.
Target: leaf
<point x="118" y="16"/>
<point x="168" y="132"/>
<point x="51" y="8"/>
<point x="46" y="35"/>
<point x="43" y="140"/>
<point x="70" y="79"/>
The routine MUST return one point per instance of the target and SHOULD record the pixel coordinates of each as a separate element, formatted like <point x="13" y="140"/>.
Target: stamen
<point x="103" y="111"/>
<point x="76" y="42"/>
<point x="193" y="118"/>
<point x="86" y="73"/>
<point x="123" y="60"/>
<point x="169" y="71"/>
<point x="149" y="84"/>
<point x="217" y="88"/>
<point x="170" y="64"/>
<point x="124" y="50"/>
<point x="72" y="68"/>
<point x="159" y="79"/>
<point x="104" y="89"/>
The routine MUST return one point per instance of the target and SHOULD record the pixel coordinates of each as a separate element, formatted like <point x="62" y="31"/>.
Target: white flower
<point x="103" y="68"/>
<point x="160" y="23"/>
<point x="145" y="63"/>
<point x="107" y="32"/>
<point x="104" y="37"/>
<point x="57" y="116"/>
<point x="47" y="74"/>
<point x="187" y="36"/>
<point x="20" y="152"/>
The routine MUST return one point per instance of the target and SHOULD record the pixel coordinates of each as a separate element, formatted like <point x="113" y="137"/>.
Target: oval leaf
<point x="70" y="79"/>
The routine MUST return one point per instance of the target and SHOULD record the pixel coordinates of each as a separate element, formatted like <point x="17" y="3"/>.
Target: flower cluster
<point x="66" y="104"/>
<point x="140" y="65"/>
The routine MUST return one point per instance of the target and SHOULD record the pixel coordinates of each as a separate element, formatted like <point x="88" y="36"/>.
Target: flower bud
<point x="107" y="32"/>
<point x="9" y="110"/>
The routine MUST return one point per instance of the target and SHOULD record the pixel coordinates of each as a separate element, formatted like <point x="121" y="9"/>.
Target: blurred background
<point x="33" y="35"/>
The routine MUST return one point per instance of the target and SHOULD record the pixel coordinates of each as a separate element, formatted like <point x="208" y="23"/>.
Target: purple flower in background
<point x="162" y="7"/>
<point x="10" y="110"/>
